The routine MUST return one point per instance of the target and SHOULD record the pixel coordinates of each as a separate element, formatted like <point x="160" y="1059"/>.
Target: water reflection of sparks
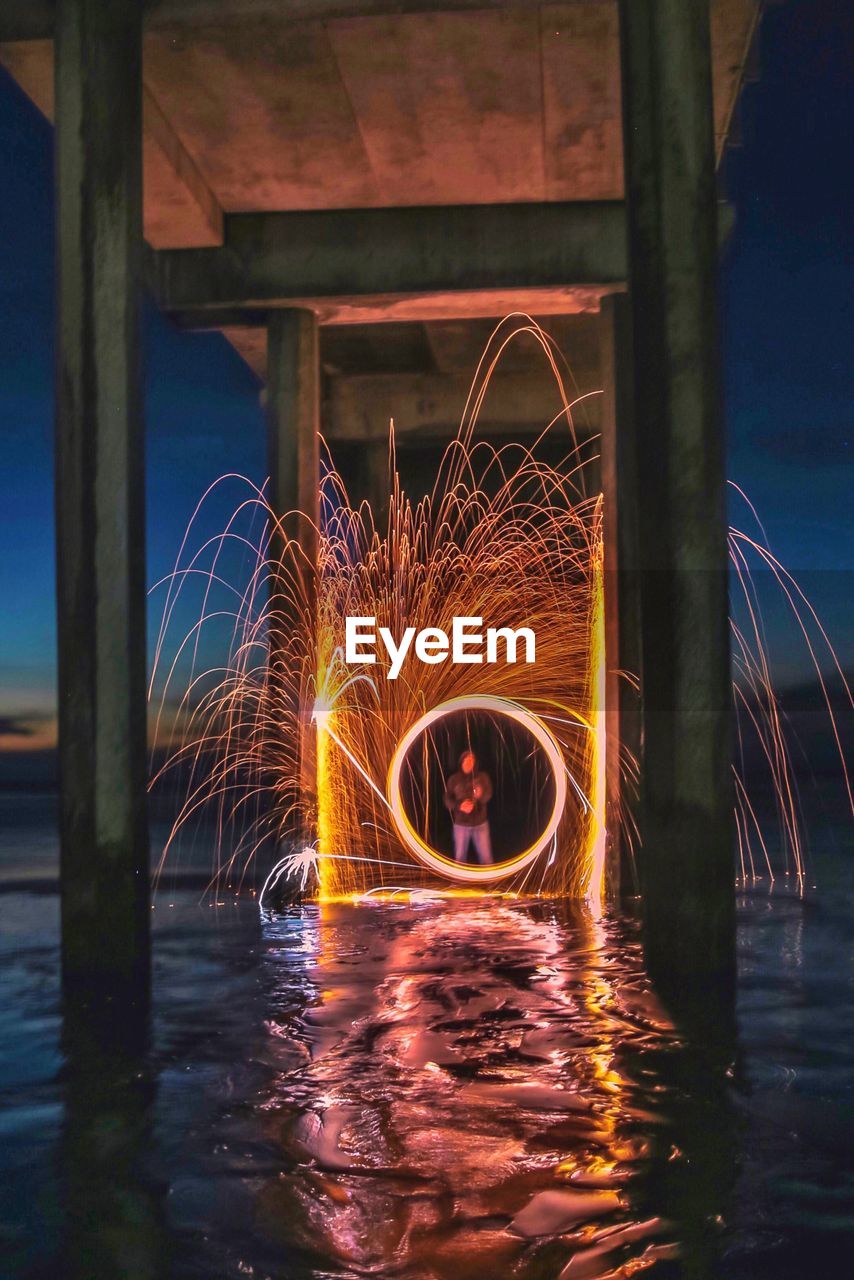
<point x="455" y="1102"/>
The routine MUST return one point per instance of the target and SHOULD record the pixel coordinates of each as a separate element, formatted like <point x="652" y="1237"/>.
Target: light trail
<point x="431" y="857"/>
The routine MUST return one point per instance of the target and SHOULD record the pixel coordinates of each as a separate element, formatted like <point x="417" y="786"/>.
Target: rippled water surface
<point x="455" y="1089"/>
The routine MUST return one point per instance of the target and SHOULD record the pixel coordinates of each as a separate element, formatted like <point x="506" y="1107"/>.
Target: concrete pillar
<point x="378" y="480"/>
<point x="622" y="593"/>
<point x="293" y="447"/>
<point x="293" y="418"/>
<point x="687" y="870"/>
<point x="100" y="514"/>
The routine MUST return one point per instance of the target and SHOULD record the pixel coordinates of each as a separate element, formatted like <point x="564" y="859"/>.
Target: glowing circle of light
<point x="431" y="857"/>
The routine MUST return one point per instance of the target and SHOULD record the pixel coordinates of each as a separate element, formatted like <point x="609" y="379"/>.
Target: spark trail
<point x="503" y="535"/>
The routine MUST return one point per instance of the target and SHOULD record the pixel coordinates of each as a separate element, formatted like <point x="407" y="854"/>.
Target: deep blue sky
<point x="788" y="318"/>
<point x="788" y="305"/>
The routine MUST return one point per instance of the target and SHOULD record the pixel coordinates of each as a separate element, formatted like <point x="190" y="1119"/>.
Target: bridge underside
<point x="353" y="198"/>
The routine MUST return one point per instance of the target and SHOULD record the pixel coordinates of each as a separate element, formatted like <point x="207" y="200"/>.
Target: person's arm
<point x="485" y="784"/>
<point x="450" y="795"/>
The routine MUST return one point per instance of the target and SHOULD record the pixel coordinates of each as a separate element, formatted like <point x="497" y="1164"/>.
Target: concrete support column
<point x="293" y="421"/>
<point x="687" y="869"/>
<point x="293" y="450"/>
<point x="622" y="594"/>
<point x="378" y="480"/>
<point x="100" y="514"/>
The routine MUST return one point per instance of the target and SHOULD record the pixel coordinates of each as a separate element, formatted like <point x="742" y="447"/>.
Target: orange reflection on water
<point x="455" y="1102"/>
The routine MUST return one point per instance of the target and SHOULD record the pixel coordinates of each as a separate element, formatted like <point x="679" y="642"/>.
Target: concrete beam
<point x="100" y="509"/>
<point x="687" y="853"/>
<point x="431" y="405"/>
<point x="734" y="47"/>
<point x="342" y="263"/>
<point x="27" y="20"/>
<point x="34" y="19"/>
<point x="179" y="209"/>
<point x="475" y="304"/>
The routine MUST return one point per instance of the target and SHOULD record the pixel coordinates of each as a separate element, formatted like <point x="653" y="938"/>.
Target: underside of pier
<point x="354" y="192"/>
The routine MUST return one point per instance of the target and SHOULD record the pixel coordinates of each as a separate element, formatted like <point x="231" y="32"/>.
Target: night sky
<point x="788" y="318"/>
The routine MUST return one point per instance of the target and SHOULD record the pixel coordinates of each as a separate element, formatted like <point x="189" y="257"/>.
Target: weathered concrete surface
<point x="293" y="442"/>
<point x="369" y="254"/>
<point x="451" y="346"/>
<point x="379" y="481"/>
<point x="463" y="263"/>
<point x="441" y="305"/>
<point x="34" y="19"/>
<point x="734" y="24"/>
<point x="687" y="869"/>
<point x="430" y="102"/>
<point x="621" y="496"/>
<point x="458" y="345"/>
<point x="282" y="105"/>
<point x="100" y="502"/>
<point x="431" y="406"/>
<point x="293" y="420"/>
<point x="179" y="210"/>
<point x="362" y="124"/>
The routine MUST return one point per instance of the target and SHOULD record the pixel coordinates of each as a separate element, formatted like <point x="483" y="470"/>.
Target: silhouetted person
<point x="467" y="793"/>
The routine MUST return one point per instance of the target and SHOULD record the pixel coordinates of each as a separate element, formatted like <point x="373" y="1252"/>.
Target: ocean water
<point x="438" y="1092"/>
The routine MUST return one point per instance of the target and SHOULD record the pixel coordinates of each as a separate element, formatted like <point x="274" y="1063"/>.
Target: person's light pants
<point x="479" y="836"/>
